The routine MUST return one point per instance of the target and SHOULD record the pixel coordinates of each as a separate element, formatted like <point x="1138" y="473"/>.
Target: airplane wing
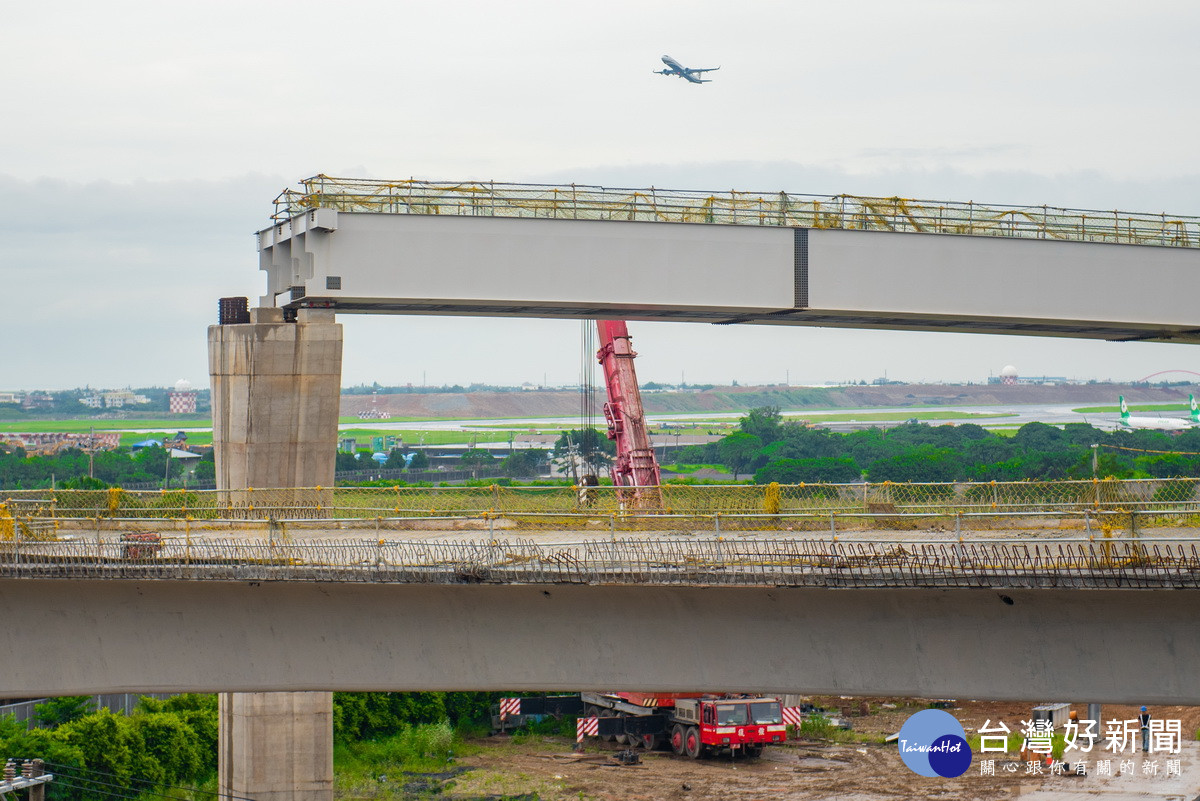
<point x="690" y="71"/>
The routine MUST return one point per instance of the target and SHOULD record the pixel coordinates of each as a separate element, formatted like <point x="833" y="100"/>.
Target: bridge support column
<point x="276" y="387"/>
<point x="276" y="746"/>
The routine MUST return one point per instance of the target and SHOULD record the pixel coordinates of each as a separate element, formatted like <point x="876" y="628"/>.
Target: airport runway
<point x="1018" y="415"/>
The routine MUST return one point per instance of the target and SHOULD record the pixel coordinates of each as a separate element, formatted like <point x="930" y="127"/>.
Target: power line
<point x="214" y="793"/>
<point x="1147" y="450"/>
<point x="92" y="789"/>
<point x="90" y="785"/>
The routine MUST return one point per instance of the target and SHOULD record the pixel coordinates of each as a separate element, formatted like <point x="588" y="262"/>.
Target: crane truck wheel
<point x="691" y="742"/>
<point x="677" y="739"/>
<point x="753" y="751"/>
<point x="627" y="739"/>
<point x="650" y="742"/>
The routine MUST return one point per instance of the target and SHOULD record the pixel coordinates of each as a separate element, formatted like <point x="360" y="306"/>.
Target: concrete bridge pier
<point x="276" y="388"/>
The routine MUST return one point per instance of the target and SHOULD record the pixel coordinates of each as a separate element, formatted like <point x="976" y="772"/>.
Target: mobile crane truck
<point x="694" y="724"/>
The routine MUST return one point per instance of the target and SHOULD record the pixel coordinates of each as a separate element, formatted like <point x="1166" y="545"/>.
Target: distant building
<point x="1009" y="376"/>
<point x="182" y="399"/>
<point x="38" y="400"/>
<point x="113" y="399"/>
<point x="11" y="397"/>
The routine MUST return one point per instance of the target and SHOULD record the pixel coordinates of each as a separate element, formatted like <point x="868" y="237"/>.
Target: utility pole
<point x="34" y="770"/>
<point x="1095" y="460"/>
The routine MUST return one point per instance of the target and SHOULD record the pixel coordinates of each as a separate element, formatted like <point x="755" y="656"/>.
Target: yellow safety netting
<point x="684" y="507"/>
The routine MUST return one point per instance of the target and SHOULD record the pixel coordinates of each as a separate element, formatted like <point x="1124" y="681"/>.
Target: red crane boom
<point x="635" y="467"/>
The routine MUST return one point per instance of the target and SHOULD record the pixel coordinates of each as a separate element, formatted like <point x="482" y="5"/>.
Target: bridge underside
<point x="83" y="636"/>
<point x="827" y="318"/>
<point x="726" y="275"/>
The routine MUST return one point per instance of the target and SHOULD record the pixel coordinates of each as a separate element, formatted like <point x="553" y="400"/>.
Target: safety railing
<point x="749" y="507"/>
<point x="852" y="212"/>
<point x="670" y="561"/>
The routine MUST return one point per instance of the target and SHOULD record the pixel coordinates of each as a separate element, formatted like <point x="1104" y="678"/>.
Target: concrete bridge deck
<point x="1027" y="605"/>
<point x="83" y="636"/>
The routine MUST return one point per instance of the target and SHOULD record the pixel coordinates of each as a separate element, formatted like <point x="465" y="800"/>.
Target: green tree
<point x="56" y="711"/>
<point x="420" y="461"/>
<point x="763" y="422"/>
<point x="739" y="450"/>
<point x="593" y="448"/>
<point x="1038" y="437"/>
<point x="924" y="463"/>
<point x="171" y="742"/>
<point x="523" y="463"/>
<point x="476" y="459"/>
<point x="808" y="471"/>
<point x="114" y="744"/>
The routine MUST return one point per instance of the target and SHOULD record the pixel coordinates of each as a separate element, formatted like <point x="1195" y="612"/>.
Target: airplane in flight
<point x="1160" y="423"/>
<point x="677" y="69"/>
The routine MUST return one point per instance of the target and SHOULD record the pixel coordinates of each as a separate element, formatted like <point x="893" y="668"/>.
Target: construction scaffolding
<point x="712" y="561"/>
<point x="851" y="212"/>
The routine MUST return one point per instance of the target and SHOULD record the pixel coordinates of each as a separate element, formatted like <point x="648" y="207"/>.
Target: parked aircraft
<point x="675" y="68"/>
<point x="1160" y="423"/>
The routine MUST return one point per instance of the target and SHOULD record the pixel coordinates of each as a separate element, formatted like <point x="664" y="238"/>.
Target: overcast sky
<point x="143" y="142"/>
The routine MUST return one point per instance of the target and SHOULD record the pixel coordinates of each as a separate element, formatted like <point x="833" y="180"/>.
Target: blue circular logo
<point x="932" y="743"/>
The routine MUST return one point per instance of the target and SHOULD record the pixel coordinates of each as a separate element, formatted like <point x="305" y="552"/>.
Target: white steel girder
<point x="536" y="267"/>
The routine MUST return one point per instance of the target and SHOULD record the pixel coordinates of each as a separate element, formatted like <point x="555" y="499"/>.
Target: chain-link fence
<point x="740" y="507"/>
<point x="666" y="561"/>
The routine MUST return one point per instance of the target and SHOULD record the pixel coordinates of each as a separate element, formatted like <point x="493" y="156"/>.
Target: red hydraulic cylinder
<point x="635" y="466"/>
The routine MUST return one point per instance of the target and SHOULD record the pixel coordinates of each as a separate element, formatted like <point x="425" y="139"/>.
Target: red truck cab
<point x="709" y="725"/>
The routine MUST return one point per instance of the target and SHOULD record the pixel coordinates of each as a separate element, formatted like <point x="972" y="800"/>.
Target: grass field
<point x="1141" y="407"/>
<point x="692" y="468"/>
<point x="495" y="432"/>
<point x="84" y="426"/>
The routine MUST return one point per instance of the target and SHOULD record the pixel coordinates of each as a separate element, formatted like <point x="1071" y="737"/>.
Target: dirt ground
<point x="856" y="771"/>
